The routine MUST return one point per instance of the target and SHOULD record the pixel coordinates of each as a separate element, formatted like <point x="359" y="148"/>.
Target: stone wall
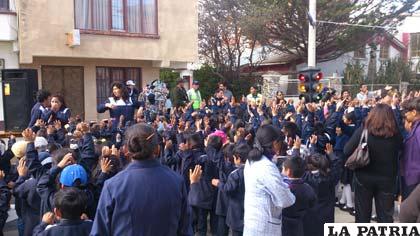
<point x="273" y="82"/>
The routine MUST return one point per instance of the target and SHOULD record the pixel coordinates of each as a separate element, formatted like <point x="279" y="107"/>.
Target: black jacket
<point x="293" y="215"/>
<point x="25" y="190"/>
<point x="179" y="97"/>
<point x="64" y="228"/>
<point x="383" y="154"/>
<point x="235" y="191"/>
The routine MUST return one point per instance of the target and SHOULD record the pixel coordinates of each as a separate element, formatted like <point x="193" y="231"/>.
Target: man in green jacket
<point x="194" y="95"/>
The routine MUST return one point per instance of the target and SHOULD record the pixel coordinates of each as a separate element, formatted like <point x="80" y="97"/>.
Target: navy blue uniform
<point x="4" y="203"/>
<point x="235" y="191"/>
<point x="324" y="186"/>
<point x="64" y="228"/>
<point x="293" y="215"/>
<point x="36" y="114"/>
<point x="63" y="115"/>
<point x="122" y="108"/>
<point x="25" y="190"/>
<point x="146" y="198"/>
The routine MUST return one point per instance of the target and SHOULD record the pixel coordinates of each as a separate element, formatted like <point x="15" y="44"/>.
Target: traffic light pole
<point x="312" y="35"/>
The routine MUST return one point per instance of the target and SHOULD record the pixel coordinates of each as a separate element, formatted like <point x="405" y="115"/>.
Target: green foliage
<point x="169" y="76"/>
<point x="354" y="73"/>
<point x="208" y="80"/>
<point x="393" y="72"/>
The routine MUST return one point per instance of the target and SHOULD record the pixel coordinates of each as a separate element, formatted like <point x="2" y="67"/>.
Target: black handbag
<point x="360" y="157"/>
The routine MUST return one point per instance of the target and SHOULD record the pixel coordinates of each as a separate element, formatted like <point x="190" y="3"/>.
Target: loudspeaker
<point x="19" y="96"/>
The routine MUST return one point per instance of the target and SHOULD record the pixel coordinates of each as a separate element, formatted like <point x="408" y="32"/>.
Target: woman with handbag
<point x="374" y="158"/>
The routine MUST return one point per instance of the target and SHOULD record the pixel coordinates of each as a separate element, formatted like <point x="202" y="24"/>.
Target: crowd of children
<point x="197" y="161"/>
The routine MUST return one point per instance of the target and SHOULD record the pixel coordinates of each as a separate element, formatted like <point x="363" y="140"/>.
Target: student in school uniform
<point x="43" y="98"/>
<point x="323" y="175"/>
<point x="146" y="198"/>
<point x="234" y="188"/>
<point x="69" y="205"/>
<point x="4" y="201"/>
<point x="59" y="112"/>
<point x="119" y="104"/>
<point x="202" y="196"/>
<point x="25" y="190"/>
<point x="294" y="168"/>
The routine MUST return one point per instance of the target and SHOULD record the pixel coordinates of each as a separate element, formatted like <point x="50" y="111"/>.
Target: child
<point x="4" y="201"/>
<point x="292" y="222"/>
<point x="235" y="190"/>
<point x="322" y="175"/>
<point x="70" y="204"/>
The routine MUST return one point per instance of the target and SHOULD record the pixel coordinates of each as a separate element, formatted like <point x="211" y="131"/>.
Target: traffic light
<point x="309" y="84"/>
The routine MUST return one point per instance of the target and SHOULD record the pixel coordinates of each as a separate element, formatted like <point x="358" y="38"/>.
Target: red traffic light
<point x="318" y="76"/>
<point x="302" y="77"/>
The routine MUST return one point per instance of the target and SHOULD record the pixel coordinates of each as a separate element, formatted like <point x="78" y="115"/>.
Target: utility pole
<point x="312" y="34"/>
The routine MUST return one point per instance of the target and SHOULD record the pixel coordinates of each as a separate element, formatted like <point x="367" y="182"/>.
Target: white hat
<point x="130" y="83"/>
<point x="40" y="142"/>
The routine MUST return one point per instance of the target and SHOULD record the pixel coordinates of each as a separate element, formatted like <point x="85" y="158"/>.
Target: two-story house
<point x="8" y="43"/>
<point x="120" y="40"/>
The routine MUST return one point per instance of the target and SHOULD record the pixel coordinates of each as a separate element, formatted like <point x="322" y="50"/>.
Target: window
<point x="360" y="53"/>
<point x="106" y="76"/>
<point x="415" y="44"/>
<point x="4" y="5"/>
<point x="117" y="16"/>
<point x="384" y="51"/>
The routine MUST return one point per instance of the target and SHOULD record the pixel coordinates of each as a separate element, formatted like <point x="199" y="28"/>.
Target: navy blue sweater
<point x="146" y="198"/>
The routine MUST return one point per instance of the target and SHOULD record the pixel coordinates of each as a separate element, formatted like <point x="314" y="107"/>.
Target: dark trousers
<point x="202" y="215"/>
<point x="237" y="233"/>
<point x="382" y="192"/>
<point x="222" y="228"/>
<point x="3" y="218"/>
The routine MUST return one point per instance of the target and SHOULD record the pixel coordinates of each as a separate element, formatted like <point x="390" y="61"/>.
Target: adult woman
<point x="58" y="111"/>
<point x="146" y="198"/>
<point x="119" y="105"/>
<point x="378" y="179"/>
<point x="409" y="163"/>
<point x="266" y="194"/>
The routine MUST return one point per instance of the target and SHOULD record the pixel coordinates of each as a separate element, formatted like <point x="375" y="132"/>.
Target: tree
<point x="222" y="43"/>
<point x="285" y="23"/>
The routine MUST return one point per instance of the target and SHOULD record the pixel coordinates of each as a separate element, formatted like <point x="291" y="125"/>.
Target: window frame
<point x="383" y="46"/>
<point x="111" y="70"/>
<point x="356" y="52"/>
<point x="417" y="51"/>
<point x="125" y="32"/>
<point x="6" y="9"/>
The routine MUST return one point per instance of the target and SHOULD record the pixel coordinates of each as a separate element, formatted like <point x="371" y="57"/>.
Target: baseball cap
<point x="195" y="82"/>
<point x="71" y="174"/>
<point x="130" y="83"/>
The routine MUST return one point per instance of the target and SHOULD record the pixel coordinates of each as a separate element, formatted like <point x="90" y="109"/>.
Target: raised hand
<point x="195" y="174"/>
<point x="48" y="218"/>
<point x="115" y="151"/>
<point x="21" y="168"/>
<point x="57" y="125"/>
<point x="106" y="165"/>
<point x="28" y="135"/>
<point x="329" y="148"/>
<point x="313" y="139"/>
<point x="67" y="160"/>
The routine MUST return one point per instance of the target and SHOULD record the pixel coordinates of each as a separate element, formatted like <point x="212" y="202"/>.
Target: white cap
<point x="40" y="142"/>
<point x="130" y="83"/>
